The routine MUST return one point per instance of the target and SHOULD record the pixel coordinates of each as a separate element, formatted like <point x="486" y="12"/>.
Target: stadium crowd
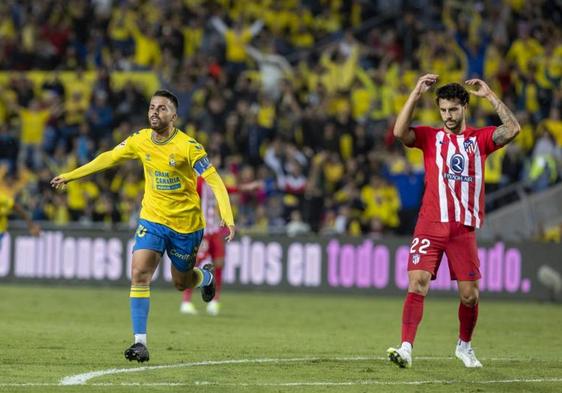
<point x="296" y="98"/>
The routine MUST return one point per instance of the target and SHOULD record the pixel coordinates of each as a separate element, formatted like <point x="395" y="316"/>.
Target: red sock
<point x="411" y="316"/>
<point x="467" y="318"/>
<point x="187" y="295"/>
<point x="218" y="282"/>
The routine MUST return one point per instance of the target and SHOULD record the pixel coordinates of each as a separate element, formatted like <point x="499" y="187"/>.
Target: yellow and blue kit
<point x="171" y="218"/>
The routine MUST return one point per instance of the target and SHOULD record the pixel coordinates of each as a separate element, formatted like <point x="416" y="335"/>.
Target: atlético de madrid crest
<point x="469" y="146"/>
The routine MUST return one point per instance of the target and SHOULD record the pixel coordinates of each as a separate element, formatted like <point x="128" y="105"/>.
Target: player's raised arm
<point x="510" y="126"/>
<point x="105" y="160"/>
<point x="402" y="129"/>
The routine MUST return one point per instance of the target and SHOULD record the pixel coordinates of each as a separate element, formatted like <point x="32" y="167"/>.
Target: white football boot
<point x="213" y="308"/>
<point x="465" y="353"/>
<point x="188" y="308"/>
<point x="402" y="356"/>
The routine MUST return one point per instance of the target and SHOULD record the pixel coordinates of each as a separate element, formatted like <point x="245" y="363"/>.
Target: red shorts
<point x="212" y="246"/>
<point x="457" y="241"/>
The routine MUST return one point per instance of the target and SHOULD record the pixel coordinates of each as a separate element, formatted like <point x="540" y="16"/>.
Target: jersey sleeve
<point x="105" y="160"/>
<point x="422" y="133"/>
<point x="126" y="150"/>
<point x="486" y="140"/>
<point x="198" y="158"/>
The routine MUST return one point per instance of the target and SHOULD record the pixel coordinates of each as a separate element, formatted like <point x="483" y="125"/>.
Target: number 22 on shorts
<point x="423" y="245"/>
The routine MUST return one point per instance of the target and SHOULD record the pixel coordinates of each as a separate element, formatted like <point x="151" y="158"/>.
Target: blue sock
<point x="140" y="304"/>
<point x="205" y="277"/>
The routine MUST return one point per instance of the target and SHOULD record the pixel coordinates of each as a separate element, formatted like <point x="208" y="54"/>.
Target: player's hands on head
<point x="478" y="88"/>
<point x="231" y="232"/>
<point x="58" y="183"/>
<point x="425" y="82"/>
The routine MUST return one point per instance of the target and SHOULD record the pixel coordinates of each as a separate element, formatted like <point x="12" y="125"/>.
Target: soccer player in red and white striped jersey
<point x="452" y="206"/>
<point x="211" y="249"/>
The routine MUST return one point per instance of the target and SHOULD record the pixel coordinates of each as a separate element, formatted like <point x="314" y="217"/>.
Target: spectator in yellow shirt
<point x="236" y="40"/>
<point x="33" y="125"/>
<point x="524" y="49"/>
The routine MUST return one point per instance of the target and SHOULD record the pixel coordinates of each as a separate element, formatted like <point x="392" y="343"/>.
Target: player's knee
<point x="469" y="299"/>
<point x="418" y="281"/>
<point x="419" y="285"/>
<point x="140" y="277"/>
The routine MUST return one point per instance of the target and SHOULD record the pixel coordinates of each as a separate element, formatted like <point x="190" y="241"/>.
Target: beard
<point x="158" y="125"/>
<point x="453" y="125"/>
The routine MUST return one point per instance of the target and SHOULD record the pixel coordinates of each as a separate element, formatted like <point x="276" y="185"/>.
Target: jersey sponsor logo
<point x="163" y="181"/>
<point x="457" y="163"/>
<point x="202" y="165"/>
<point x="122" y="144"/>
<point x="452" y="176"/>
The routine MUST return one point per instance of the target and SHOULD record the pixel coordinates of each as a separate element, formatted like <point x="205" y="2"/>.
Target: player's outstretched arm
<point x="215" y="182"/>
<point x="402" y="129"/>
<point x="101" y="162"/>
<point x="510" y="126"/>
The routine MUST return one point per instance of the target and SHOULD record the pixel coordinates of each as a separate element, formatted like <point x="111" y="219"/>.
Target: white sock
<point x="463" y="344"/>
<point x="407" y="346"/>
<point x="140" y="338"/>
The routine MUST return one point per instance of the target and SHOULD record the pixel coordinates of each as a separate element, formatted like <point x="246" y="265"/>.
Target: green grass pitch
<point x="307" y="343"/>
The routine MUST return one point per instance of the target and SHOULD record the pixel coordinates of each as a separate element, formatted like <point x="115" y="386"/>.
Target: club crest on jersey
<point x="416" y="259"/>
<point x="147" y="157"/>
<point x="469" y="146"/>
<point x="172" y="160"/>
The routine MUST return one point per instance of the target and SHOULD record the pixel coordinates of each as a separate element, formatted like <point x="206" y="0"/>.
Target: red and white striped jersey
<point x="209" y="207"/>
<point x="454" y="173"/>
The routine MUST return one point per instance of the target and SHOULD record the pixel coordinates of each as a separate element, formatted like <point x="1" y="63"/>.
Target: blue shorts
<point x="181" y="247"/>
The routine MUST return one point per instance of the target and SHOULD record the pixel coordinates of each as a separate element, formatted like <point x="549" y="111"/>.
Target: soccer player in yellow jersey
<point x="7" y="204"/>
<point x="171" y="218"/>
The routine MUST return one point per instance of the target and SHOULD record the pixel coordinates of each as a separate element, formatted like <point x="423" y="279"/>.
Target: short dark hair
<point x="169" y="95"/>
<point x="453" y="91"/>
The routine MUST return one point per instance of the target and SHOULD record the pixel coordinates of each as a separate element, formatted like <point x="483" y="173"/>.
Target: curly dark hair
<point x="453" y="91"/>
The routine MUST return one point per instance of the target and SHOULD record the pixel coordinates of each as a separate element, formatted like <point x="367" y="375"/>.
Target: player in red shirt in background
<point x="211" y="249"/>
<point x="452" y="206"/>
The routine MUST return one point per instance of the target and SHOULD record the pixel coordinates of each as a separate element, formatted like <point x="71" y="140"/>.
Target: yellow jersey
<point x="171" y="168"/>
<point x="170" y="171"/>
<point x="6" y="206"/>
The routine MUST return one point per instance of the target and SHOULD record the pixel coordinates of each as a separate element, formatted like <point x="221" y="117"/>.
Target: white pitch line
<point x="81" y="379"/>
<point x="296" y="384"/>
<point x="331" y="383"/>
